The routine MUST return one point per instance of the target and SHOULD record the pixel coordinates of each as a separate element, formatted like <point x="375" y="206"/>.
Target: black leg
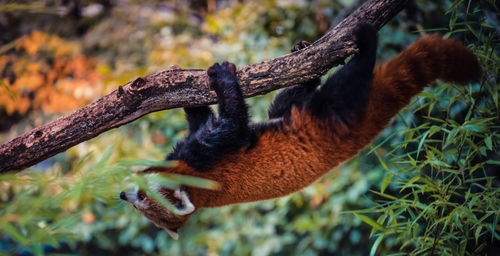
<point x="197" y="116"/>
<point x="294" y="95"/>
<point x="229" y="97"/>
<point x="228" y="133"/>
<point x="346" y="92"/>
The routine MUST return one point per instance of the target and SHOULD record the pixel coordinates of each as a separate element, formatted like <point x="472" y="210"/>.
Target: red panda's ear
<point x="173" y="233"/>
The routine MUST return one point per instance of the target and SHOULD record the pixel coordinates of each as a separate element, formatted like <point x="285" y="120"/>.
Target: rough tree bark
<point x="175" y="88"/>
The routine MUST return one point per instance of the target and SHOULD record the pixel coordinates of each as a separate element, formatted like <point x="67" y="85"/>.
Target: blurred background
<point x="427" y="186"/>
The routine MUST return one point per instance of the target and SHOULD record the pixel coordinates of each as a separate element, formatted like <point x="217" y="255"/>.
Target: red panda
<point x="310" y="131"/>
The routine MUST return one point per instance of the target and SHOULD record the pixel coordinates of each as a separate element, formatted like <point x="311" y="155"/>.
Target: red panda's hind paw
<point x="300" y="45"/>
<point x="366" y="37"/>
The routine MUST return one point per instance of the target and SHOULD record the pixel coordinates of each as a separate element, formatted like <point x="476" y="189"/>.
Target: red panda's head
<point x="156" y="212"/>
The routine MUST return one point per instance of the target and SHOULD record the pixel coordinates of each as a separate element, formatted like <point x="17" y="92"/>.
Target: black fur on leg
<point x="215" y="137"/>
<point x="229" y="97"/>
<point x="345" y="94"/>
<point x="295" y="95"/>
<point x="197" y="116"/>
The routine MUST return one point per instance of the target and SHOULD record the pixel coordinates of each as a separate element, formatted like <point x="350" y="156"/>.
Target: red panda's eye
<point x="141" y="196"/>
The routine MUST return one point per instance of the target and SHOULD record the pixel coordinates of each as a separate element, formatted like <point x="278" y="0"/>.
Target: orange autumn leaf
<point x="33" y="42"/>
<point x="22" y="105"/>
<point x="29" y="81"/>
<point x="88" y="217"/>
<point x="12" y="100"/>
<point x="58" y="102"/>
<point x="7" y="103"/>
<point x="68" y="81"/>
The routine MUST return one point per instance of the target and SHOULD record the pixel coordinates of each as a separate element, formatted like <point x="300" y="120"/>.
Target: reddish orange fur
<point x="287" y="160"/>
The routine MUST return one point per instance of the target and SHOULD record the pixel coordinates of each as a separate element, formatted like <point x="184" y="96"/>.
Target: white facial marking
<point x="132" y="197"/>
<point x="188" y="206"/>
<point x="132" y="192"/>
<point x="141" y="205"/>
<point x="152" y="184"/>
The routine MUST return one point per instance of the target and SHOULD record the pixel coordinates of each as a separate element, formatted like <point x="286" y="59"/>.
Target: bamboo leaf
<point x="385" y="182"/>
<point x="411" y="181"/>
<point x="193" y="181"/>
<point x="422" y="140"/>
<point x="477" y="233"/>
<point x="12" y="232"/>
<point x="370" y="222"/>
<point x="375" y="245"/>
<point x="382" y="162"/>
<point x="488" y="142"/>
<point x="495" y="162"/>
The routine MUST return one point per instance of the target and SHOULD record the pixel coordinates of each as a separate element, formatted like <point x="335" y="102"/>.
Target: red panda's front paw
<point x="212" y="70"/>
<point x="218" y="73"/>
<point x="216" y="70"/>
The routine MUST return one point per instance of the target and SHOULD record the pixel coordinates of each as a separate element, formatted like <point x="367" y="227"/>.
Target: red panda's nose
<point x="123" y="196"/>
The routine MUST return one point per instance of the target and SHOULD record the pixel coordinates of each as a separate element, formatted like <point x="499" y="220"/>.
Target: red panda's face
<point x="159" y="214"/>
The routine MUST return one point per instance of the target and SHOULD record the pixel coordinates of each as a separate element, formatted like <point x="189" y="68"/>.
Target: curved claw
<point x="300" y="45"/>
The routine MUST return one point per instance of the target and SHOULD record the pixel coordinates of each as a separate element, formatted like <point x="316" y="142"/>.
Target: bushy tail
<point x="454" y="62"/>
<point x="429" y="58"/>
<point x="397" y="81"/>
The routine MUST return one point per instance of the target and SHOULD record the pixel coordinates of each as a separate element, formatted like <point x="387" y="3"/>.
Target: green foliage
<point x="441" y="195"/>
<point x="427" y="186"/>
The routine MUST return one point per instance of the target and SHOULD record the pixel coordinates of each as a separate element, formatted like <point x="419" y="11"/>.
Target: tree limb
<point x="175" y="88"/>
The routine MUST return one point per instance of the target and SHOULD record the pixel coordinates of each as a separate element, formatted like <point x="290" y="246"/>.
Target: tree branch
<point x="175" y="88"/>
